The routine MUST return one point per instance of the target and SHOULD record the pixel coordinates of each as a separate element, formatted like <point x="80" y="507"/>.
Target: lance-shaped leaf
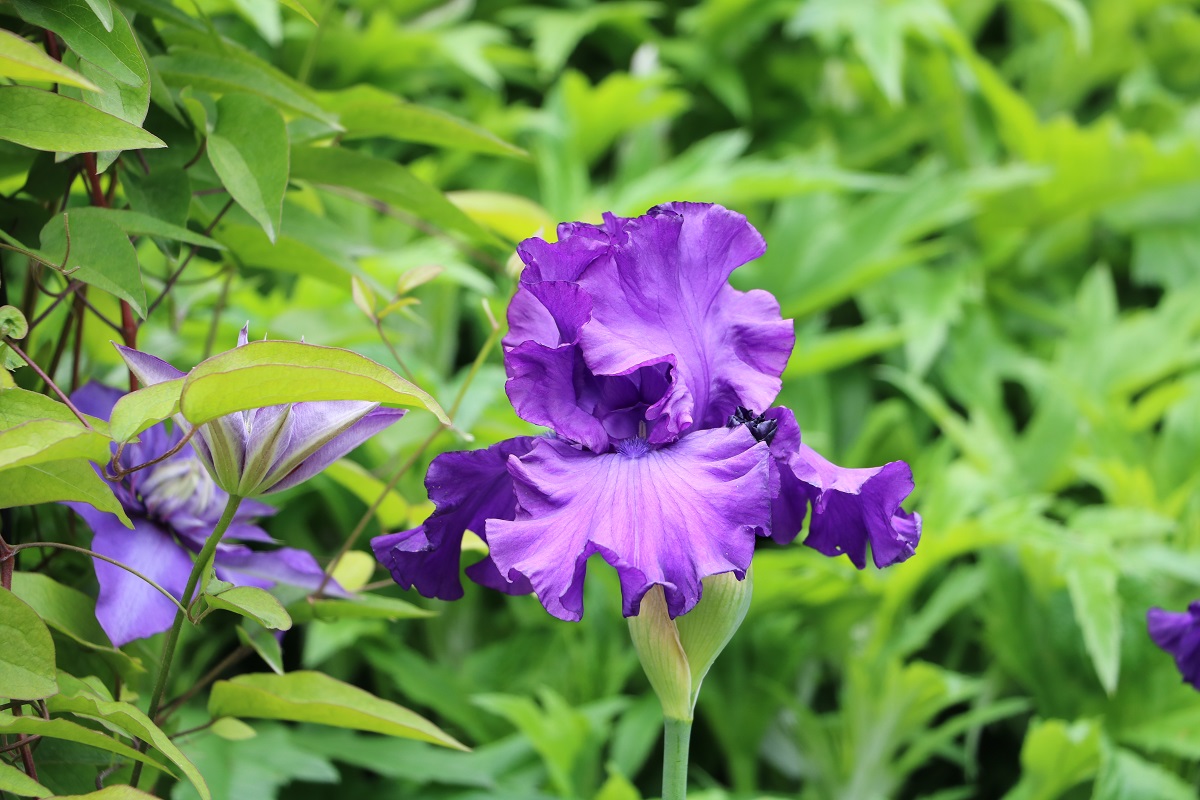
<point x="252" y="603"/>
<point x="45" y="440"/>
<point x="111" y="46"/>
<point x="100" y="254"/>
<point x="59" y="728"/>
<point x="15" y="781"/>
<point x="24" y="61"/>
<point x="363" y="606"/>
<point x="47" y="121"/>
<point x="56" y="482"/>
<point x="137" y="411"/>
<point x="21" y="405"/>
<point x="26" y="651"/>
<point x="249" y="150"/>
<point x="275" y="372"/>
<point x="314" y="697"/>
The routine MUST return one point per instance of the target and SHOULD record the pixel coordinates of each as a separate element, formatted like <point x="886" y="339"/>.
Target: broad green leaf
<point x="512" y="216"/>
<point x="46" y="121"/>
<point x="233" y="730"/>
<point x="275" y="372"/>
<point x="368" y="112"/>
<point x="254" y="603"/>
<point x="1092" y="585"/>
<point x="130" y="103"/>
<point x="21" y="405"/>
<point x="116" y="792"/>
<point x="103" y="11"/>
<point x="354" y="570"/>
<point x="115" y="51"/>
<point x="79" y="699"/>
<point x="313" y="697"/>
<point x="59" y="481"/>
<point x="137" y="411"/>
<point x="164" y="194"/>
<point x="27" y="669"/>
<point x="58" y="728"/>
<point x="298" y="7"/>
<point x="249" y="150"/>
<point x="249" y="246"/>
<point x="22" y="60"/>
<point x="136" y="223"/>
<point x="363" y="606"/>
<point x="234" y="70"/>
<point x="70" y="612"/>
<point x="1056" y="756"/>
<point x="100" y="253"/>
<point x="45" y="440"/>
<point x="15" y="781"/>
<point x="263" y="642"/>
<point x="392" y="512"/>
<point x="364" y="176"/>
<point x="258" y="768"/>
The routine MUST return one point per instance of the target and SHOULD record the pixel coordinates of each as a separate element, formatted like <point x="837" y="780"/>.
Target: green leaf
<point x="80" y="699"/>
<point x="15" y="781"/>
<point x="234" y="70"/>
<point x="250" y="247"/>
<point x="13" y="324"/>
<point x="103" y="11"/>
<point x="363" y="606"/>
<point x="392" y="512"/>
<point x="117" y="792"/>
<point x="135" y="223"/>
<point x="111" y="47"/>
<point x="512" y="216"/>
<point x="1092" y="585"/>
<point x="841" y="348"/>
<point x="137" y="411"/>
<point x="263" y="642"/>
<point x="1056" y="756"/>
<point x="100" y="253"/>
<point x="46" y="440"/>
<point x="233" y="730"/>
<point x="70" y="612"/>
<point x="46" y="121"/>
<point x="276" y="372"/>
<point x="312" y="697"/>
<point x="249" y="150"/>
<point x="21" y="405"/>
<point x="59" y="481"/>
<point x="24" y="61"/>
<point x="254" y="603"/>
<point x="164" y="194"/>
<point x="257" y="768"/>
<point x="59" y="728"/>
<point x="298" y="7"/>
<point x="385" y="181"/>
<point x="1127" y="776"/>
<point x="130" y="103"/>
<point x="368" y="112"/>
<point x="26" y="651"/>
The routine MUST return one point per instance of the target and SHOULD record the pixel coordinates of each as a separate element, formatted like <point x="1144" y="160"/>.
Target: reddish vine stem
<point x="129" y="325"/>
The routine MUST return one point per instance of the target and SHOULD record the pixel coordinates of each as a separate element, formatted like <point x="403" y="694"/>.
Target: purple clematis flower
<point x="273" y="448"/>
<point x="628" y="342"/>
<point x="1179" y="634"/>
<point x="173" y="505"/>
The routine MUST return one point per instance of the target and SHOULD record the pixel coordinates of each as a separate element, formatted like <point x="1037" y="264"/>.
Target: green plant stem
<point x="199" y="569"/>
<point x="677" y="734"/>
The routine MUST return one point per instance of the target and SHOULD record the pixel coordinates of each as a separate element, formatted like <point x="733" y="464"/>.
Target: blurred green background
<point x="984" y="217"/>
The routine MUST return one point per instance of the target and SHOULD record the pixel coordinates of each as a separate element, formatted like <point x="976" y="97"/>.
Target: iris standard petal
<point x="669" y="516"/>
<point x="314" y="448"/>
<point x="1178" y="633"/>
<point x="467" y="488"/>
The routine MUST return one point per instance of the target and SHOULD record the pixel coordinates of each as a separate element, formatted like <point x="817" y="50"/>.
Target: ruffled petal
<point x="467" y="488"/>
<point x="851" y="507"/>
<point x="670" y="516"/>
<point x="1179" y="635"/>
<point x="314" y="448"/>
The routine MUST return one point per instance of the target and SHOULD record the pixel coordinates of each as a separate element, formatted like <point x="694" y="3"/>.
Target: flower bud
<point x="676" y="654"/>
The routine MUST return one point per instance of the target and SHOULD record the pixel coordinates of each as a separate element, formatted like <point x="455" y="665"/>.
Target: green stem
<point x="676" y="735"/>
<point x="199" y="569"/>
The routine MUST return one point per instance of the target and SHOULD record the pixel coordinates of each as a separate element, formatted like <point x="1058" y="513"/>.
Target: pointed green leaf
<point x="367" y="606"/>
<point x="121" y="100"/>
<point x="24" y="61"/>
<point x="103" y="11"/>
<point x="46" y="440"/>
<point x="164" y="194"/>
<point x="15" y="781"/>
<point x="59" y="728"/>
<point x="137" y="411"/>
<point x="116" y="792"/>
<point x="47" y="121"/>
<point x="317" y="698"/>
<point x="254" y="603"/>
<point x="298" y="7"/>
<point x="263" y="642"/>
<point x="249" y="150"/>
<point x="21" y="405"/>
<point x="1093" y="589"/>
<point x="135" y="223"/>
<point x="111" y="47"/>
<point x="59" y="481"/>
<point x="27" y="669"/>
<point x="275" y="372"/>
<point x="100" y="253"/>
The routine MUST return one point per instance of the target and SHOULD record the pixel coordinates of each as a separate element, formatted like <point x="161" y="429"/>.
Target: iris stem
<point x="677" y="734"/>
<point x="199" y="569"/>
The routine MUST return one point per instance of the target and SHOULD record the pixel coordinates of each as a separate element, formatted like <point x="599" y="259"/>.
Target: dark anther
<point x="761" y="428"/>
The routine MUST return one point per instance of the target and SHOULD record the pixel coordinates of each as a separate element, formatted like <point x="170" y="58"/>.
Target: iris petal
<point x="1179" y="635"/>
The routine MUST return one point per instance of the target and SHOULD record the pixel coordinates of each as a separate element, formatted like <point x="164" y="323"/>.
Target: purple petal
<point x="148" y="369"/>
<point x="670" y="516"/>
<point x="541" y="387"/>
<point x="304" y="459"/>
<point x="851" y="507"/>
<point x="96" y="399"/>
<point x="467" y="489"/>
<point x="270" y="432"/>
<point x="266" y="568"/>
<point x="128" y="608"/>
<point x="1178" y="633"/>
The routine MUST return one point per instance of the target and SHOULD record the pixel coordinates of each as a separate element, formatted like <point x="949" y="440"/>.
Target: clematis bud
<point x="677" y="653"/>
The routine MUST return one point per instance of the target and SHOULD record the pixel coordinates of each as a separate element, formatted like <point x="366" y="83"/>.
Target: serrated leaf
<point x="40" y="441"/>
<point x="249" y="150"/>
<point x="276" y="372"/>
<point x="111" y="47"/>
<point x="27" y="669"/>
<point x="59" y="481"/>
<point x="313" y="697"/>
<point x="100" y="254"/>
<point x="15" y="781"/>
<point x="254" y="603"/>
<point x="137" y="411"/>
<point x="46" y="121"/>
<point x="22" y="60"/>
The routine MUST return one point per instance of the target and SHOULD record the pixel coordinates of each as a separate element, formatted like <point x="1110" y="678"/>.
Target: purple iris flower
<point x="628" y="342"/>
<point x="173" y="505"/>
<point x="1179" y="634"/>
<point x="273" y="448"/>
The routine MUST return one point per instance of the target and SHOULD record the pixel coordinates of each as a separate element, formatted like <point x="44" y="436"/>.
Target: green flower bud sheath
<point x="676" y="654"/>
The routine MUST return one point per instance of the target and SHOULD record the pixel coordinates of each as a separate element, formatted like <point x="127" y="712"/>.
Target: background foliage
<point x="980" y="213"/>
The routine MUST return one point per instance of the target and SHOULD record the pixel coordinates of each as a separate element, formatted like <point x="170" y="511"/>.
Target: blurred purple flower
<point x="628" y="342"/>
<point x="1178" y="633"/>
<point x="270" y="449"/>
<point x="173" y="505"/>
